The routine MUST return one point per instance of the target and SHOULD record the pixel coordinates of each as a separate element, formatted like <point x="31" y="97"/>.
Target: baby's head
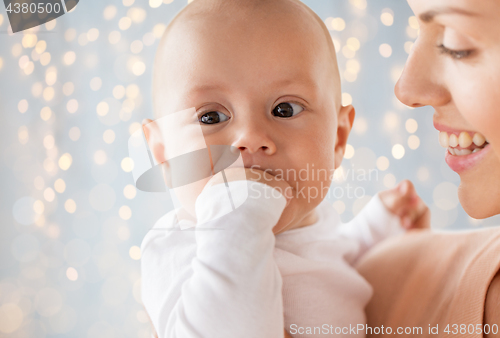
<point x="262" y="76"/>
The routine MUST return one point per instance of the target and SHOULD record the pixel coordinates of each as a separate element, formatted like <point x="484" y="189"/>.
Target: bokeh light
<point x="411" y="126"/>
<point x="413" y="142"/>
<point x="109" y="136"/>
<point x="129" y="191"/>
<point x="72" y="274"/>
<point x="22" y="106"/>
<point x="69" y="58"/>
<point x="74" y="133"/>
<point x="338" y="24"/>
<point x="398" y="151"/>
<point x="127" y="164"/>
<point x="65" y="161"/>
<point x="11" y="317"/>
<point x="387" y="17"/>
<point x="135" y="252"/>
<point x="70" y="206"/>
<point x="385" y="50"/>
<point x="60" y="185"/>
<point x="346" y="99"/>
<point x="383" y="163"/>
<point x="349" y="152"/>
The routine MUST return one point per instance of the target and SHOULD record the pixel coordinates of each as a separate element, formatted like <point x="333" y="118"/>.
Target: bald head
<point x="247" y="22"/>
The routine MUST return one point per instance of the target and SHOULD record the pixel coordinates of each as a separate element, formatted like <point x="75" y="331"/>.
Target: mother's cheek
<point x="485" y="118"/>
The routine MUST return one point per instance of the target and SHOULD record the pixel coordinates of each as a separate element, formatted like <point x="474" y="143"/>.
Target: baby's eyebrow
<point x="206" y="87"/>
<point x="300" y="81"/>
<point x="296" y="78"/>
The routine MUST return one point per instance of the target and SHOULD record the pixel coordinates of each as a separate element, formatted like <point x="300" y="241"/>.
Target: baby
<point x="262" y="77"/>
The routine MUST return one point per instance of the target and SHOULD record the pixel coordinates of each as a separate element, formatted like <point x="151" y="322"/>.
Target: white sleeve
<point x="218" y="279"/>
<point x="373" y="224"/>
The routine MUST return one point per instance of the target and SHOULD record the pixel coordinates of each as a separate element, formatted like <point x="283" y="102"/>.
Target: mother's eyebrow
<point x="429" y="15"/>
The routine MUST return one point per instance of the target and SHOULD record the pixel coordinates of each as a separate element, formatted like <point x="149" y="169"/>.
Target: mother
<point x="429" y="278"/>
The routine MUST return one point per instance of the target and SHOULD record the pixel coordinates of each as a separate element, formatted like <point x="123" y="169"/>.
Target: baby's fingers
<point x="423" y="219"/>
<point x="416" y="216"/>
<point x="400" y="199"/>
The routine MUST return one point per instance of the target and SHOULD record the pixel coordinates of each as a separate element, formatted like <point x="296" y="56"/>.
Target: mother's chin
<point x="479" y="190"/>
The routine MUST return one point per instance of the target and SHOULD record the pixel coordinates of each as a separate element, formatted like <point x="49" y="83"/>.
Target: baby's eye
<point x="287" y="109"/>
<point x="213" y="117"/>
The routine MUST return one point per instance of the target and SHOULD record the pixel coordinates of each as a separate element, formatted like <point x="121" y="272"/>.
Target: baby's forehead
<point x="247" y="16"/>
<point x="214" y="36"/>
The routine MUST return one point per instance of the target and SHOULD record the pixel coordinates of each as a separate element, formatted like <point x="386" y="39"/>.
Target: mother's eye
<point x="287" y="109"/>
<point x="455" y="54"/>
<point x="213" y="117"/>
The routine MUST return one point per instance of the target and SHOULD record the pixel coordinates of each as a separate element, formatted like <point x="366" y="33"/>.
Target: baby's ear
<point x="345" y="122"/>
<point x="154" y="139"/>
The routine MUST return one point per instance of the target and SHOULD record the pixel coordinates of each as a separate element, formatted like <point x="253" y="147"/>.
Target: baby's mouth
<point x="462" y="143"/>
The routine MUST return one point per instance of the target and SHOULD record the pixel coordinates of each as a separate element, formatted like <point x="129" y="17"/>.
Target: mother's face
<point x="454" y="67"/>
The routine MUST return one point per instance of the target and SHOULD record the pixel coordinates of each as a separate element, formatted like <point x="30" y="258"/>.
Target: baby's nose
<point x="252" y="139"/>
<point x="252" y="150"/>
<point x="253" y="145"/>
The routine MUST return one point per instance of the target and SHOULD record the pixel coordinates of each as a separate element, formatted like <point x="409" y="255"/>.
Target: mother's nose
<point x="420" y="83"/>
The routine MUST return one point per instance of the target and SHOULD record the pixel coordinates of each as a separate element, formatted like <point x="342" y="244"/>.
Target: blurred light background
<point x="71" y="93"/>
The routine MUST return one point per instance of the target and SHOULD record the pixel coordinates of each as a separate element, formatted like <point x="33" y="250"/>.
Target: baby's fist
<point x="404" y="202"/>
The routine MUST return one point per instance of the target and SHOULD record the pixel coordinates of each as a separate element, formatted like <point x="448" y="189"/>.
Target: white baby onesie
<point x="323" y="295"/>
<point x="230" y="276"/>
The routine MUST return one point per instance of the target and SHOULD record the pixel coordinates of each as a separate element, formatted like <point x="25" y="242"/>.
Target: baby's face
<point x="265" y="87"/>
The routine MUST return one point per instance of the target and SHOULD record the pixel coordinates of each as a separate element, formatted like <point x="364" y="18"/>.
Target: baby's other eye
<point x="213" y="117"/>
<point x="287" y="109"/>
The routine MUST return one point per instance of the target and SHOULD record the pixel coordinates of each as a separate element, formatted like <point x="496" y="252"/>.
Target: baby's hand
<point x="257" y="175"/>
<point x="404" y="202"/>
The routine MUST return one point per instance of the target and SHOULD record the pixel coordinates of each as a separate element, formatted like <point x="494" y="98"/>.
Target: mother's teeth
<point x="462" y="152"/>
<point x="451" y="151"/>
<point x="464" y="140"/>
<point x="453" y="141"/>
<point x="478" y="139"/>
<point x="444" y="139"/>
